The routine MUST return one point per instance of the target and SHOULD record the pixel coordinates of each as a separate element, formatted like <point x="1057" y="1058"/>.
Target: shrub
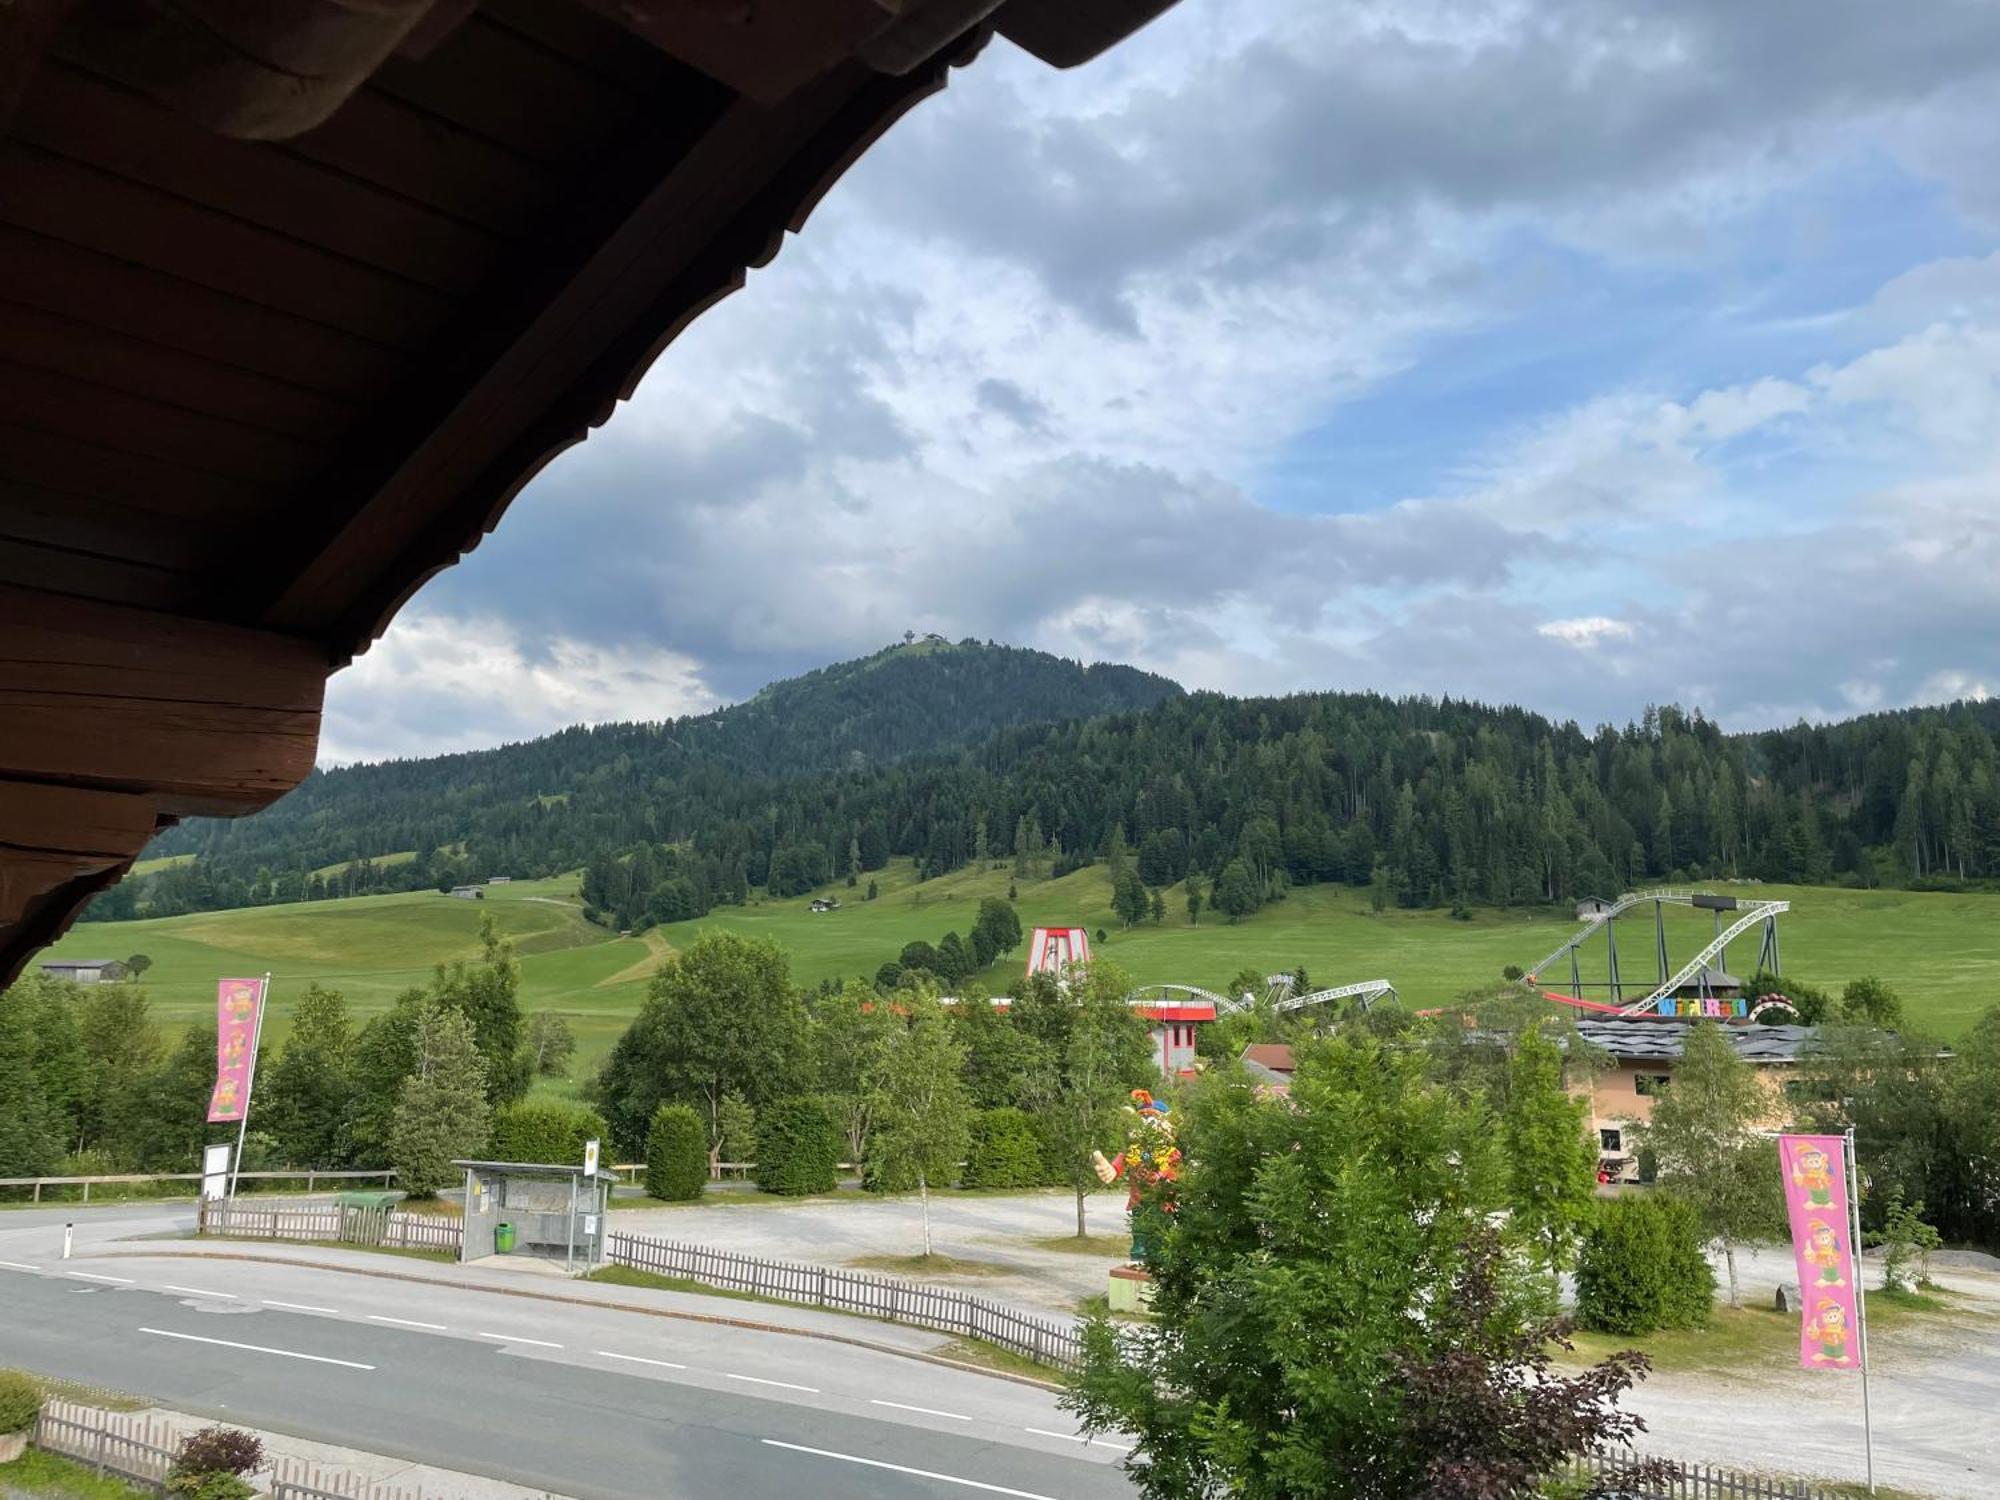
<point x="798" y="1148"/>
<point x="1004" y="1152"/>
<point x="219" y="1450"/>
<point x="20" y="1402"/>
<point x="676" y="1154"/>
<point x="216" y="1486"/>
<point x="887" y="1177"/>
<point x="1642" y="1267"/>
<point x="545" y="1130"/>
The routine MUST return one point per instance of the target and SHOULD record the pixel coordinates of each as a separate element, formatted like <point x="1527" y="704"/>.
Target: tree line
<point x="1426" y="802"/>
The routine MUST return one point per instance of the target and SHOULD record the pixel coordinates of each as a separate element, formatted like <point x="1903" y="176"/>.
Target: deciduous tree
<point x="1550" y="1161"/>
<point x="1091" y="1051"/>
<point x="1703" y="1135"/>
<point x="921" y="1106"/>
<point x="1333" y="1317"/>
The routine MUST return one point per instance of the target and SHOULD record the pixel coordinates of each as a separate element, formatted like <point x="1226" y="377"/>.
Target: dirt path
<point x="658" y="950"/>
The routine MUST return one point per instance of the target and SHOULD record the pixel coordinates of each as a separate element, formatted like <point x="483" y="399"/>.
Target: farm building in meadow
<point x="469" y="892"/>
<point x="86" y="970"/>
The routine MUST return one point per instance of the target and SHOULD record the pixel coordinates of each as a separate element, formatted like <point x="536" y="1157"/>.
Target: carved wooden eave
<point x="296" y="295"/>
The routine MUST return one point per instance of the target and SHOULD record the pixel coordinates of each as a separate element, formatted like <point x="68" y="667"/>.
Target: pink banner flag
<point x="237" y="1002"/>
<point x="1815" y="1171"/>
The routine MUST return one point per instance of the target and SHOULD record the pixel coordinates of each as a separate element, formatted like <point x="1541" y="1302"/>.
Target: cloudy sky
<point x="1579" y="353"/>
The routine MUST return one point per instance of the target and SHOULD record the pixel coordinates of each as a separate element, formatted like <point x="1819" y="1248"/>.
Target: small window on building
<point x="1650" y="1084"/>
<point x="1611" y="1140"/>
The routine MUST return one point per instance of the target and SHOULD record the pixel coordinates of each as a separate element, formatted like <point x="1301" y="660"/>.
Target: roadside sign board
<point x="590" y="1158"/>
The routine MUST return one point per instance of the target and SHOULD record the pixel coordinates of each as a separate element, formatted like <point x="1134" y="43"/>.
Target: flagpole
<point x="250" y="1082"/>
<point x="1860" y="1303"/>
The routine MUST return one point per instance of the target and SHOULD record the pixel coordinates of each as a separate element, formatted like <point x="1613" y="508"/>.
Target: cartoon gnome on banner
<point x="1150" y="1163"/>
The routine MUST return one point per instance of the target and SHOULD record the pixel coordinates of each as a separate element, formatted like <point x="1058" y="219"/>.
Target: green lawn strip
<point x="1737" y="1341"/>
<point x="46" y="1475"/>
<point x="654" y="1281"/>
<point x="987" y="1356"/>
<point x="934" y="1264"/>
<point x="1115" y="1246"/>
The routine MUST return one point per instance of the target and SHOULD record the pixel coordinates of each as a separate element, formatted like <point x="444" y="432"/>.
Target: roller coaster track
<point x="1366" y="993"/>
<point x="1753" y="913"/>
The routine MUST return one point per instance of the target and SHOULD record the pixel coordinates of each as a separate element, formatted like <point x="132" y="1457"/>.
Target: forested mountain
<point x="551" y="804"/>
<point x="1430" y="802"/>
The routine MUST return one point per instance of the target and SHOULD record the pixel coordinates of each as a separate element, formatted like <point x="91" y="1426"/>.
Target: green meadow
<point x="1942" y="952"/>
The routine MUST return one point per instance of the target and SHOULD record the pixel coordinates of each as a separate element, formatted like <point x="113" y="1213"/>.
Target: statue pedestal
<point x="1131" y="1290"/>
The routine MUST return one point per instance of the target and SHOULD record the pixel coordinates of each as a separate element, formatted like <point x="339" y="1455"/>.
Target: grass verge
<point x="58" y="1389"/>
<point x="934" y="1264"/>
<point x="45" y="1475"/>
<point x="654" y="1281"/>
<point x="1737" y="1342"/>
<point x="1003" y="1361"/>
<point x="1116" y="1246"/>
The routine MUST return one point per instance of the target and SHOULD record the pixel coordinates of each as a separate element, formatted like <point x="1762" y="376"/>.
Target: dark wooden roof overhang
<point x="296" y="295"/>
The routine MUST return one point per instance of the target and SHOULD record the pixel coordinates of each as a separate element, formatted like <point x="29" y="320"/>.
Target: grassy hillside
<point x="1940" y="951"/>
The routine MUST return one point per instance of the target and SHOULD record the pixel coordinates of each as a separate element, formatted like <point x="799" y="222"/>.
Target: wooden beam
<point x="200" y="718"/>
<point x="428" y="497"/>
<point x="763" y="52"/>
<point x="59" y="846"/>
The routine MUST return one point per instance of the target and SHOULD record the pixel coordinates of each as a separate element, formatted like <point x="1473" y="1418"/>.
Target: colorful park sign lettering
<point x="1815" y="1172"/>
<point x="237" y="1002"/>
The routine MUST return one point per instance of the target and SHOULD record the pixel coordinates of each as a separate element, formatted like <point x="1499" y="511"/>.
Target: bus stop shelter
<point x="537" y="1210"/>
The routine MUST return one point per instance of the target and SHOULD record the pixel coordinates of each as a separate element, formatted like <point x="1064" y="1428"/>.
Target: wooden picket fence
<point x="1627" y="1474"/>
<point x="378" y="1228"/>
<point x="887" y="1297"/>
<point x="139" y="1447"/>
<point x="134" y="1446"/>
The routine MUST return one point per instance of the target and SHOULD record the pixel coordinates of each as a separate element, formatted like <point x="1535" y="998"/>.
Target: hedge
<point x="1642" y="1267"/>
<point x="1004" y="1151"/>
<point x="20" y="1402"/>
<point x="676" y="1154"/>
<point x="798" y="1148"/>
<point x="548" y="1131"/>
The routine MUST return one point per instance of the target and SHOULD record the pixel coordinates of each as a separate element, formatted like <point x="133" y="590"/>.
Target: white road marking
<point x="298" y="1306"/>
<point x="195" y="1291"/>
<point x="1077" y="1437"/>
<point x="318" y="1359"/>
<point x="929" y="1411"/>
<point x="810" y="1390"/>
<point x="15" y="1265"/>
<point x="515" y="1338"/>
<point x="87" y="1276"/>
<point x="876" y="1463"/>
<point x="406" y="1322"/>
<point x="638" y="1359"/>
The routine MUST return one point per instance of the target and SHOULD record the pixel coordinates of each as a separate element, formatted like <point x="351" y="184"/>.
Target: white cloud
<point x="1586" y="632"/>
<point x="463" y="683"/>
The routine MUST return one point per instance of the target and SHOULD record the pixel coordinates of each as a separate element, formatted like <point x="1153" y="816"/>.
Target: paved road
<point x="588" y="1402"/>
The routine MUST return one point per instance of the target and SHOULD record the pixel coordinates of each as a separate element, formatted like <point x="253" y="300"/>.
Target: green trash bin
<point x="503" y="1237"/>
<point x="367" y="1200"/>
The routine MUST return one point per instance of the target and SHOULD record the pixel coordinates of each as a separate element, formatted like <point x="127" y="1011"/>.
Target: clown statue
<point x="1828" y="1329"/>
<point x="1813" y="1172"/>
<point x="1149" y="1158"/>
<point x="1823" y="1250"/>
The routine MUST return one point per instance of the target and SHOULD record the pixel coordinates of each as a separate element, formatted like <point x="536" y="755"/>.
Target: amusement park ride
<point x="1699" y="987"/>
<point x="1177" y="1009"/>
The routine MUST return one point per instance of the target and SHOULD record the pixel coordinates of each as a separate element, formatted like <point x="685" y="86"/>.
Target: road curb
<point x="748" y="1324"/>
